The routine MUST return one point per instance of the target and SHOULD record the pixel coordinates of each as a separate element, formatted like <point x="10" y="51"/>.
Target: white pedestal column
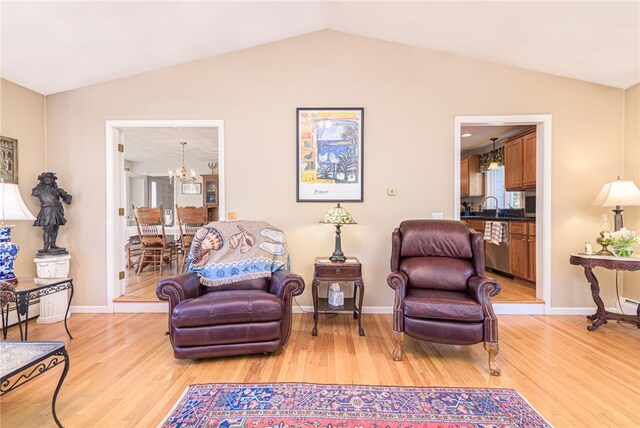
<point x="53" y="306"/>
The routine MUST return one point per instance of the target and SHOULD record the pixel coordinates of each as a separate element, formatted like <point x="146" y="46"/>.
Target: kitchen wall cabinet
<point x="520" y="162"/>
<point x="522" y="250"/>
<point x="471" y="179"/>
<point x="210" y="196"/>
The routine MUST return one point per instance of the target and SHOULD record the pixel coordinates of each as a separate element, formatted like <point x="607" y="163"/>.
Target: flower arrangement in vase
<point x="621" y="241"/>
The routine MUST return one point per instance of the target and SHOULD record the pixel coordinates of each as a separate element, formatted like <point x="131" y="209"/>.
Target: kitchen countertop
<point x="493" y="218"/>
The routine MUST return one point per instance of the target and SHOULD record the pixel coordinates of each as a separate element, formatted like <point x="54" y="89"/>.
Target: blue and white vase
<point x="8" y="254"/>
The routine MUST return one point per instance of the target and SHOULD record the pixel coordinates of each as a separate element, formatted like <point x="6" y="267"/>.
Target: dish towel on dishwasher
<point x="499" y="232"/>
<point x="487" y="231"/>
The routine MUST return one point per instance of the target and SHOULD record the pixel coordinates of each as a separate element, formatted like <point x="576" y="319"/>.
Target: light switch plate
<point x="437" y="216"/>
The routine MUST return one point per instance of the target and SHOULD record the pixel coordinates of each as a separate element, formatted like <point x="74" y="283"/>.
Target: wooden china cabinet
<point x="210" y="196"/>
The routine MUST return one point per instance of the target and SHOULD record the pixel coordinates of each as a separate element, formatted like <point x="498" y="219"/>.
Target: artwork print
<point x="329" y="154"/>
<point x="9" y="160"/>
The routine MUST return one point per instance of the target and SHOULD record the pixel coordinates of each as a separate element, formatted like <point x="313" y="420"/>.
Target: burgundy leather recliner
<point x="441" y="292"/>
<point x="246" y="317"/>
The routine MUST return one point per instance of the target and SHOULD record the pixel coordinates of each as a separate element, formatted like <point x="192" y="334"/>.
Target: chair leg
<point x="398" y="338"/>
<point x="492" y="348"/>
<point x="161" y="256"/>
<point x="141" y="262"/>
<point x="183" y="262"/>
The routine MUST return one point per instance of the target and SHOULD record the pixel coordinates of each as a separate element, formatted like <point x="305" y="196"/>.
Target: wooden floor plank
<point x="123" y="372"/>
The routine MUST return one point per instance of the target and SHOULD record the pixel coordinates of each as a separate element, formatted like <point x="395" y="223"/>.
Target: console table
<point x="588" y="262"/>
<point x="348" y="270"/>
<point x="22" y="361"/>
<point x="28" y="289"/>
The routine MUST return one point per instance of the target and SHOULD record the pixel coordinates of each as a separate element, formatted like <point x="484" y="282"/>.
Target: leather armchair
<point x="251" y="316"/>
<point x="441" y="292"/>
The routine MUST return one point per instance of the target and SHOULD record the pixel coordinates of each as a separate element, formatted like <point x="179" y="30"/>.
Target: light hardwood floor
<point x="123" y="373"/>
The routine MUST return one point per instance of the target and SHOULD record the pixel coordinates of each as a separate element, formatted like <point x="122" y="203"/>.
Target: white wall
<point x="410" y="96"/>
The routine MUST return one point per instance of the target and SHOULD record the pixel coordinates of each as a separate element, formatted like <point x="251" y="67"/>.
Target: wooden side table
<point x="349" y="270"/>
<point x="608" y="262"/>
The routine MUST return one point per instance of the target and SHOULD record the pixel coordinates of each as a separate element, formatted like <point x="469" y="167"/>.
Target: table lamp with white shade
<point x="11" y="208"/>
<point x="616" y="194"/>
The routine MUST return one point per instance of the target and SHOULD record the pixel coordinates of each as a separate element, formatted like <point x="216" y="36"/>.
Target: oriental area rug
<point x="305" y="405"/>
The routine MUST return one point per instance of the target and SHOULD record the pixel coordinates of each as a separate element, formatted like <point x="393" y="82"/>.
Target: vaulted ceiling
<point x="54" y="46"/>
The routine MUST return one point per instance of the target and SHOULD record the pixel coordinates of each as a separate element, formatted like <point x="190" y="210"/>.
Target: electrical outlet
<point x="438" y="216"/>
<point x="232" y="216"/>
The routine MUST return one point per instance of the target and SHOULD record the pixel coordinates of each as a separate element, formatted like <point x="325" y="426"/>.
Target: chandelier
<point x="181" y="173"/>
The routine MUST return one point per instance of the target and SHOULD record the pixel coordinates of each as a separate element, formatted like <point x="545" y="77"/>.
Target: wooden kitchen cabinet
<point x="471" y="179"/>
<point x="522" y="250"/>
<point x="477" y="225"/>
<point x="531" y="236"/>
<point x="520" y="162"/>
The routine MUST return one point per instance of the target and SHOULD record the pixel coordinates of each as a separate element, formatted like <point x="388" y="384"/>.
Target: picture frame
<point x="9" y="160"/>
<point x="329" y="154"/>
<point x="192" y="188"/>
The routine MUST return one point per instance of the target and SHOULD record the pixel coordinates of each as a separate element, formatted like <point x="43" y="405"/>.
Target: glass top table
<point x="27" y="289"/>
<point x="22" y="361"/>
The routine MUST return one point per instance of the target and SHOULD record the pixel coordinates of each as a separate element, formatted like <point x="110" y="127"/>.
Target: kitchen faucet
<point x="497" y="202"/>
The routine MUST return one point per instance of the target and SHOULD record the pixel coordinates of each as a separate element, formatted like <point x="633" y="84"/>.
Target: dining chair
<point x="190" y="219"/>
<point x="155" y="248"/>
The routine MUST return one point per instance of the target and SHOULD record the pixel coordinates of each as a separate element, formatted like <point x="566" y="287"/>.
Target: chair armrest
<point x="481" y="285"/>
<point x="177" y="288"/>
<point x="399" y="281"/>
<point x="285" y="284"/>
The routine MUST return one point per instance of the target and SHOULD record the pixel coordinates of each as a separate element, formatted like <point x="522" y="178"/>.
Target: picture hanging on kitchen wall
<point x="330" y="144"/>
<point x="9" y="160"/>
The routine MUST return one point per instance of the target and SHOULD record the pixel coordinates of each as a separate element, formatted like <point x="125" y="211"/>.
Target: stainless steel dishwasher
<point x="497" y="256"/>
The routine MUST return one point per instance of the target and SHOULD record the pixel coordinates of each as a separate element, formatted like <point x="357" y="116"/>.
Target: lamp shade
<point x="11" y="206"/>
<point x="618" y="193"/>
<point x="338" y="215"/>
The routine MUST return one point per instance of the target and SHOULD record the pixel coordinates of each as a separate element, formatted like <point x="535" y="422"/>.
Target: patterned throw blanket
<point x="224" y="252"/>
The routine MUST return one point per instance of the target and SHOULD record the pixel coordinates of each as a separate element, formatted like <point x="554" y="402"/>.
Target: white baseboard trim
<point x="518" y="308"/>
<point x="34" y="311"/>
<point x="89" y="309"/>
<point x="365" y="309"/>
<point x="140" y="307"/>
<point x="575" y="311"/>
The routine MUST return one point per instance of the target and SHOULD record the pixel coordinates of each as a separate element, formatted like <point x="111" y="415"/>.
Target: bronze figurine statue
<point x="51" y="215"/>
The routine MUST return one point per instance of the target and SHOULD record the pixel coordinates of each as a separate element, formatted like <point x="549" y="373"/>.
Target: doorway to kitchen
<point x="502" y="189"/>
<point x="155" y="164"/>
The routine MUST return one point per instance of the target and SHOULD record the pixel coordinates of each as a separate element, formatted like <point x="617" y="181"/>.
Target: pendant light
<point x="494" y="161"/>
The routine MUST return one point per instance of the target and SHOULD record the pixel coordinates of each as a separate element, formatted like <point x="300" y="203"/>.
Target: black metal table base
<point x="17" y="379"/>
<point x="22" y="307"/>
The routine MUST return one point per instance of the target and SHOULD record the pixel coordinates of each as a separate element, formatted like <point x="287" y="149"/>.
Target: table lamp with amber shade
<point x="338" y="216"/>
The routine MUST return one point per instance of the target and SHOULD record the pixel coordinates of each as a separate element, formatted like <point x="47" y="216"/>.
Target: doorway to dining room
<point x="150" y="166"/>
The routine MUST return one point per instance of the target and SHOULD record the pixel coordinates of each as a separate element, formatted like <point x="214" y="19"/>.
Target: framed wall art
<point x="192" y="188"/>
<point x="9" y="160"/>
<point x="330" y="143"/>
